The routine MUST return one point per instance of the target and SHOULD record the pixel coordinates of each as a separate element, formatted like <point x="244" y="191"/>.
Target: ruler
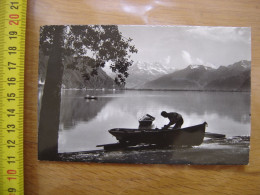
<point x="12" y="49"/>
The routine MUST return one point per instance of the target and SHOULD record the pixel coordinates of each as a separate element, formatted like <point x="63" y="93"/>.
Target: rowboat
<point x="189" y="136"/>
<point x="88" y="97"/>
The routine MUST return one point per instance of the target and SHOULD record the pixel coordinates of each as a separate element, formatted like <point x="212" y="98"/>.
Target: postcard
<point x="144" y="94"/>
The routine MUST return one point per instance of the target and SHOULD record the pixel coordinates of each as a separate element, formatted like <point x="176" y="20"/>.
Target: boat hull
<point x="190" y="136"/>
<point x="90" y="98"/>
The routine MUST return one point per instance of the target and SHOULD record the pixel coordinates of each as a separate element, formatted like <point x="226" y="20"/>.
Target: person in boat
<point x="174" y="117"/>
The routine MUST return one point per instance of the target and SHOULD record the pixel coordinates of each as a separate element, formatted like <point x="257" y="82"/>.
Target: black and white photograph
<point x="144" y="94"/>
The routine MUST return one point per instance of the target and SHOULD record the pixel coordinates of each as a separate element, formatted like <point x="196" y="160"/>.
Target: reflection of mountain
<point x="87" y="123"/>
<point x="72" y="78"/>
<point x="235" y="77"/>
<point x="233" y="106"/>
<point x="142" y="72"/>
<point x="74" y="108"/>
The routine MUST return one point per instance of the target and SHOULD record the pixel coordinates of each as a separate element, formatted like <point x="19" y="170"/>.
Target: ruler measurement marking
<point x="12" y="22"/>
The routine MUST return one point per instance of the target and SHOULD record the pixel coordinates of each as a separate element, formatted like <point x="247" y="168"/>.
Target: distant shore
<point x="41" y="85"/>
<point x="199" y="90"/>
<point x="130" y="89"/>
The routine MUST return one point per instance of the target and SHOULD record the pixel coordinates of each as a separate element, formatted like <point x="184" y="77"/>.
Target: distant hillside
<point x="235" y="77"/>
<point x="73" y="78"/>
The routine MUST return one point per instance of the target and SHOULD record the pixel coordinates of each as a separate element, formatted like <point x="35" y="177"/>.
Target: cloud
<point x="167" y="59"/>
<point x="189" y="44"/>
<point x="222" y="34"/>
<point x="199" y="61"/>
<point x="186" y="57"/>
<point x="189" y="60"/>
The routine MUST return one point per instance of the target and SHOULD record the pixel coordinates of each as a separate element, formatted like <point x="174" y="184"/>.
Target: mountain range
<point x="157" y="76"/>
<point x="234" y="77"/>
<point x="143" y="72"/>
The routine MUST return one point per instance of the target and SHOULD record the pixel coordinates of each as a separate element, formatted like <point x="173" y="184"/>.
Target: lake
<point x="85" y="123"/>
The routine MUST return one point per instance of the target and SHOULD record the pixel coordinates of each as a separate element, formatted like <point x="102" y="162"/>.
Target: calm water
<point x="85" y="124"/>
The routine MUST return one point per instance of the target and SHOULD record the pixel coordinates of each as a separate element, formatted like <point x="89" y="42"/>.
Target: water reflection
<point x="74" y="108"/>
<point x="84" y="124"/>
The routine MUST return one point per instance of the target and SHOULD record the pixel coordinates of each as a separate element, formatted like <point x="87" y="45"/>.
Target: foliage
<point x="96" y="44"/>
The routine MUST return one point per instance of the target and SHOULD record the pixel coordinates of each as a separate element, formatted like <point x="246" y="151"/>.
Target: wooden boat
<point x="88" y="97"/>
<point x="189" y="136"/>
<point x="146" y="120"/>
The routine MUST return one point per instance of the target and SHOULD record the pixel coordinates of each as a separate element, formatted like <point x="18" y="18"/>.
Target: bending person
<point x="174" y="117"/>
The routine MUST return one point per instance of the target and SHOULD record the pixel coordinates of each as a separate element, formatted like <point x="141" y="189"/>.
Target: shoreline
<point x="192" y="90"/>
<point x="211" y="152"/>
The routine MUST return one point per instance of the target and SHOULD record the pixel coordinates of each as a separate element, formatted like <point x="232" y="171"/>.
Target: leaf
<point x="96" y="45"/>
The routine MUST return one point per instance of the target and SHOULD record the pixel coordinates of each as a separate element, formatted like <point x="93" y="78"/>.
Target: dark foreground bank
<point x="228" y="151"/>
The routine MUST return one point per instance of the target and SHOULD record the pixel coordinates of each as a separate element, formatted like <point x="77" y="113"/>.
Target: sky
<point x="180" y="46"/>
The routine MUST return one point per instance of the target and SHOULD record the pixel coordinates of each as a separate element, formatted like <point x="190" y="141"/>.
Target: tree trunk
<point x="51" y="99"/>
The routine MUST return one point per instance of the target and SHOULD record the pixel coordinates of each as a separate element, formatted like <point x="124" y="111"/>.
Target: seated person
<point x="174" y="117"/>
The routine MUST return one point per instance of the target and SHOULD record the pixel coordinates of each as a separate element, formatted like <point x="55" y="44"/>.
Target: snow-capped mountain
<point x="235" y="77"/>
<point x="142" y="72"/>
<point x="199" y="67"/>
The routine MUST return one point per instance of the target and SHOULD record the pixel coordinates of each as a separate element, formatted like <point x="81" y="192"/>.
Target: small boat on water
<point x="88" y="97"/>
<point x="189" y="136"/>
